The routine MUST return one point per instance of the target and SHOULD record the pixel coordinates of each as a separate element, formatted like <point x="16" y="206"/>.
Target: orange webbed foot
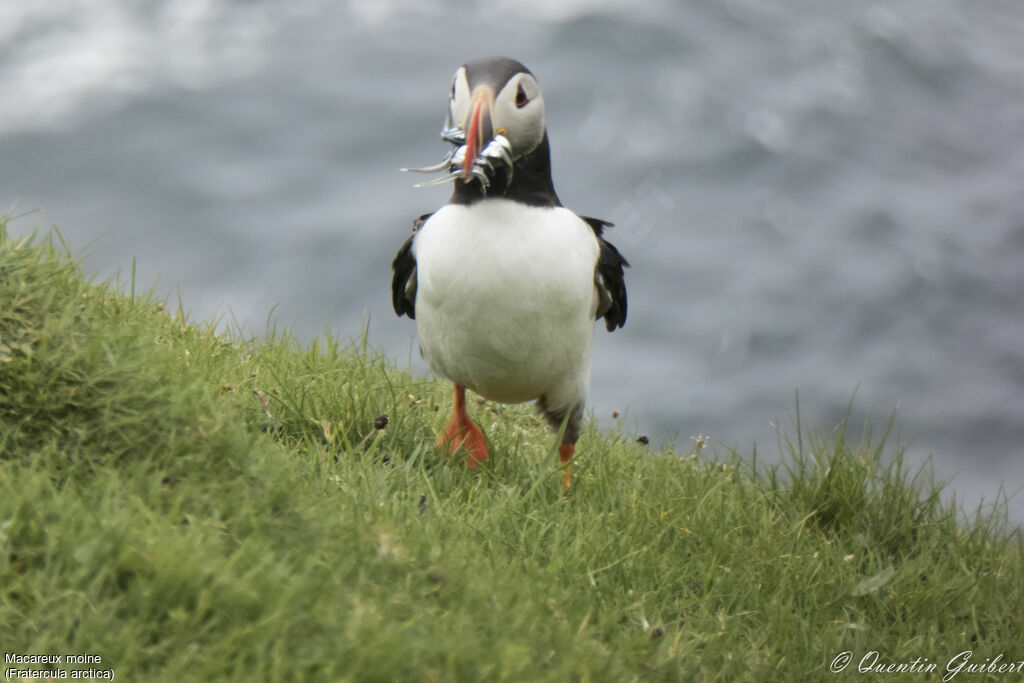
<point x="566" y="451"/>
<point x="462" y="432"/>
<point x="468" y="436"/>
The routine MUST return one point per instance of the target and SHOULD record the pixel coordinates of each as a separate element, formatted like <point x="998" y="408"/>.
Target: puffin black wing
<point x="609" y="278"/>
<point x="403" y="283"/>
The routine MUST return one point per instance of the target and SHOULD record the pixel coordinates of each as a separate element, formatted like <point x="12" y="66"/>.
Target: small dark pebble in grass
<point x="643" y="440"/>
<point x="380" y="422"/>
<point x="436" y="576"/>
<point x="657" y="632"/>
<point x="423" y="504"/>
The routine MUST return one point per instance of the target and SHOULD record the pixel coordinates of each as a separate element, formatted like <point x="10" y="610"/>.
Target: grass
<point x="193" y="506"/>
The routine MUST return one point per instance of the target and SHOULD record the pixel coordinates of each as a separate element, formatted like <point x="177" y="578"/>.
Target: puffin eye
<point x="521" y="98"/>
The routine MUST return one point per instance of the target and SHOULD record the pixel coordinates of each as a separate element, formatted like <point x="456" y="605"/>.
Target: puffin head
<point x="495" y="96"/>
<point x="496" y="123"/>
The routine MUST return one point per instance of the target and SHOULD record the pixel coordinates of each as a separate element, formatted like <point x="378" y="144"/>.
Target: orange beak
<point x="479" y="130"/>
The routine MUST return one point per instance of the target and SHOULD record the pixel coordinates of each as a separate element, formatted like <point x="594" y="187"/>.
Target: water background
<point x="814" y="195"/>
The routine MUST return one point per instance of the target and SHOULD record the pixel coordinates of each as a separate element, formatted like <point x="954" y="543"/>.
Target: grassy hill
<point x="188" y="505"/>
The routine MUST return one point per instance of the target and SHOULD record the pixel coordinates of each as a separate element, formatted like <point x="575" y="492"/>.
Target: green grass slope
<point x="190" y="506"/>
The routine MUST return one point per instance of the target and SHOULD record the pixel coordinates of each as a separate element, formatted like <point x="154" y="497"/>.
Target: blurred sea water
<point x="815" y="196"/>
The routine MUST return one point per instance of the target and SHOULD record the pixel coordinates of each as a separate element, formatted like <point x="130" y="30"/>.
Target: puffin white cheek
<point x="458" y="105"/>
<point x="524" y="127"/>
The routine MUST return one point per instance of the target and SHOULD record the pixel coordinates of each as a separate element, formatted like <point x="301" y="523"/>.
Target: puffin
<point x="505" y="284"/>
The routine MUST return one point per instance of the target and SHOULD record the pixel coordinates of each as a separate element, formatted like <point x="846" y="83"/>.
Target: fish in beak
<point x="479" y="150"/>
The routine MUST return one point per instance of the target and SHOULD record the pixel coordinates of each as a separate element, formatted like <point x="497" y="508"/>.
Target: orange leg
<point x="566" y="451"/>
<point x="462" y="431"/>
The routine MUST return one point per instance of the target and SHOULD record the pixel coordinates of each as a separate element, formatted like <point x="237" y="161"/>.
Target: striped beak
<point x="478" y="127"/>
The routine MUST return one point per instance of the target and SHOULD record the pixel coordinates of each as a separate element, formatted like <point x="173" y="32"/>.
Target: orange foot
<point x="566" y="451"/>
<point x="463" y="432"/>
